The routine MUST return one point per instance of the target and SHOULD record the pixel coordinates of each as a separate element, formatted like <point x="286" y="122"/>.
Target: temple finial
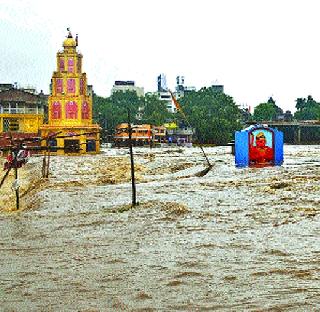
<point x="69" y="33"/>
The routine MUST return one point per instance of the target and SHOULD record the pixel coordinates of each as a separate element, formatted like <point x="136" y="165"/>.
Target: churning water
<point x="233" y="240"/>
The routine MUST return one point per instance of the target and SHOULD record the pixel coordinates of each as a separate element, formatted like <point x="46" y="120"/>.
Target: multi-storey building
<point x="163" y="93"/>
<point x="181" y="89"/>
<point x="21" y="113"/>
<point x="162" y="83"/>
<point x="165" y="97"/>
<point x="124" y="86"/>
<point x="218" y="88"/>
<point x="70" y="124"/>
<point x="140" y="135"/>
<point x="6" y="86"/>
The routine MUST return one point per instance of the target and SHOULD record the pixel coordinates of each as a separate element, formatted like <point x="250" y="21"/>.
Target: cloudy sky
<point x="255" y="48"/>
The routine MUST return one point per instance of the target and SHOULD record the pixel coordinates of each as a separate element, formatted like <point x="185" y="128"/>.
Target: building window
<point x="72" y="110"/>
<point x="13" y="124"/>
<point x="61" y="64"/>
<point x="59" y="85"/>
<point x="79" y="65"/>
<point x="10" y="124"/>
<point x="81" y="87"/>
<point x="91" y="146"/>
<point x="70" y="65"/>
<point x="71" y="146"/>
<point x="56" y="110"/>
<point x="71" y="84"/>
<point x="85" y="111"/>
<point x="6" y="123"/>
<point x="53" y="145"/>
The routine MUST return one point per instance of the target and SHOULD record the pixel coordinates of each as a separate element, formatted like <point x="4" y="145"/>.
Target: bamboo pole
<point x="133" y="182"/>
<point x="16" y="183"/>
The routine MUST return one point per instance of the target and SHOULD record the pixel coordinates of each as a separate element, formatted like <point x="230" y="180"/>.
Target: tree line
<point x="306" y="109"/>
<point x="213" y="115"/>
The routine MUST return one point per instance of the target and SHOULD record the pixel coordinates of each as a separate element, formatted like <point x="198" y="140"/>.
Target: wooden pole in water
<point x="44" y="161"/>
<point x="16" y="185"/>
<point x="133" y="182"/>
<point x="48" y="161"/>
<point x="17" y="188"/>
<point x="5" y="176"/>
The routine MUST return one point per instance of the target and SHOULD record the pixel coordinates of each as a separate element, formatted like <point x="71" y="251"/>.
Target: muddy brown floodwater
<point x="233" y="240"/>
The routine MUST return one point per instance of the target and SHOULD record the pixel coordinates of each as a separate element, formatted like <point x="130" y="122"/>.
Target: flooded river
<point x="233" y="240"/>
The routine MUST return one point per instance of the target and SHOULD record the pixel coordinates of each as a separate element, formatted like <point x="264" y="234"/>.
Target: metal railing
<point x="23" y="110"/>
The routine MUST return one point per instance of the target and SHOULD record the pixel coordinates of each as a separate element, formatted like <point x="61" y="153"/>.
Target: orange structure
<point x="141" y="134"/>
<point x="70" y="106"/>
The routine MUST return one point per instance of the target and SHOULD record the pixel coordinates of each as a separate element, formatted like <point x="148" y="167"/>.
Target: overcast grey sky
<point x="256" y="48"/>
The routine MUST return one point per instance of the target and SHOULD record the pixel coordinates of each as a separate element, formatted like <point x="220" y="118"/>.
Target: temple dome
<point x="69" y="42"/>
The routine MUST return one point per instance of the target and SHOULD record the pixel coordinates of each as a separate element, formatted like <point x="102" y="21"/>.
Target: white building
<point x="181" y="89"/>
<point x="165" y="96"/>
<point x="163" y="93"/>
<point x="124" y="86"/>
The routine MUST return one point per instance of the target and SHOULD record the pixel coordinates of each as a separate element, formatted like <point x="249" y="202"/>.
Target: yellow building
<point x="70" y="106"/>
<point x="21" y="114"/>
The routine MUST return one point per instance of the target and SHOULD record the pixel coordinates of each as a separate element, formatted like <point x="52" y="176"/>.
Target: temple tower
<point x="70" y="105"/>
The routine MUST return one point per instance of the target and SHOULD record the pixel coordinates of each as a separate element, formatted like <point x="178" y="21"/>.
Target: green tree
<point x="214" y="115"/>
<point x="307" y="109"/>
<point x="113" y="110"/>
<point x="155" y="111"/>
<point x="124" y="101"/>
<point x="300" y="103"/>
<point x="267" y="111"/>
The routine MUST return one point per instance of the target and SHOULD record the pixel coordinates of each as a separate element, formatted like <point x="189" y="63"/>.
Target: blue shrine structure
<point x="258" y="146"/>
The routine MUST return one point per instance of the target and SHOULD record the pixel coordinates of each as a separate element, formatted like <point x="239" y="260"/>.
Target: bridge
<point x="296" y="132"/>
